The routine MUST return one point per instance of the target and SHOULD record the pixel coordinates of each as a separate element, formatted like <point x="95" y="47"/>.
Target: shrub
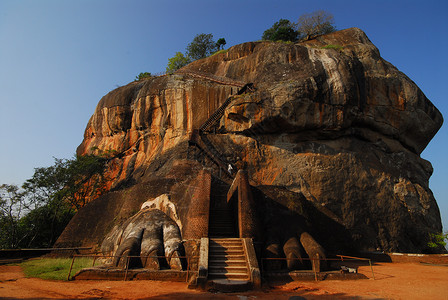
<point x="176" y="62"/>
<point x="142" y="76"/>
<point x="437" y="240"/>
<point x="335" y="47"/>
<point x="283" y="30"/>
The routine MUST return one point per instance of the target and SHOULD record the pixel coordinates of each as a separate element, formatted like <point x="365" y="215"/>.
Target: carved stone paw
<point x="295" y="248"/>
<point x="149" y="239"/>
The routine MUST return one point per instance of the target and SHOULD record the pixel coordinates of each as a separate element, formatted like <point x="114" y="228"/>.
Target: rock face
<point x="330" y="137"/>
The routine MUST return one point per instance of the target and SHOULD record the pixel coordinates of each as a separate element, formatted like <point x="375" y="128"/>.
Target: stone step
<point x="220" y="226"/>
<point x="220" y="231"/>
<point x="226" y="257"/>
<point x="226" y="241"/>
<point x="226" y="251"/>
<point x="230" y="286"/>
<point x="229" y="246"/>
<point x="221" y="218"/>
<point x="228" y="262"/>
<point x="221" y="211"/>
<point x="217" y="218"/>
<point x="228" y="269"/>
<point x="219" y="275"/>
<point x="225" y="245"/>
<point x="212" y="226"/>
<point x="221" y="235"/>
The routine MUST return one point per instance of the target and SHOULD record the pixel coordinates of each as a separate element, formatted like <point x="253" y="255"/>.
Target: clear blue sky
<point x="59" y="57"/>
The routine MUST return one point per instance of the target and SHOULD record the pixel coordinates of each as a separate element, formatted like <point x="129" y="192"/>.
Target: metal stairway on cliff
<point x="220" y="111"/>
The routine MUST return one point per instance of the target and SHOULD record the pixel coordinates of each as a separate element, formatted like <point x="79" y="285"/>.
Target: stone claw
<point x="150" y="239"/>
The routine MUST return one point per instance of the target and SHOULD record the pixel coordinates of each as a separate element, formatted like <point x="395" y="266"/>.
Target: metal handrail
<point x="341" y="258"/>
<point x="188" y="258"/>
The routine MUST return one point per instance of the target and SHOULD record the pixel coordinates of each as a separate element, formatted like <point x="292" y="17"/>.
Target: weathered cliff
<point x="330" y="138"/>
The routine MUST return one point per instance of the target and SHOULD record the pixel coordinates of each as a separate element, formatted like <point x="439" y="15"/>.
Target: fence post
<point x="71" y="266"/>
<point x="188" y="268"/>
<point x="371" y="268"/>
<point x="127" y="266"/>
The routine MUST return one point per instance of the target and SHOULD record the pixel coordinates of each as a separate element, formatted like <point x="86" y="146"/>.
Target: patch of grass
<point x="54" y="268"/>
<point x="335" y="47"/>
<point x="219" y="51"/>
<point x="284" y="42"/>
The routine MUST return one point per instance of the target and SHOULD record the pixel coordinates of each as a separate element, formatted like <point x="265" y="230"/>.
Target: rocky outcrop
<point x="330" y="138"/>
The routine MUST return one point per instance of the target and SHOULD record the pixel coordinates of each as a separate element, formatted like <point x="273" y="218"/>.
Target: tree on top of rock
<point x="202" y="46"/>
<point x="176" y="62"/>
<point x="283" y="30"/>
<point x="316" y="23"/>
<point x="220" y="43"/>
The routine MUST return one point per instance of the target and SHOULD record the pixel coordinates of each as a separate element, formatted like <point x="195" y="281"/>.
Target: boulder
<point x="330" y="136"/>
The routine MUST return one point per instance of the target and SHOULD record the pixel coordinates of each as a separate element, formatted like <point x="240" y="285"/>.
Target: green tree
<point x="43" y="225"/>
<point x="437" y="240"/>
<point x="220" y="43"/>
<point x="142" y="76"/>
<point x="315" y="23"/>
<point x="283" y="30"/>
<point x="36" y="215"/>
<point x="73" y="181"/>
<point x="176" y="62"/>
<point x="202" y="46"/>
<point x="12" y="207"/>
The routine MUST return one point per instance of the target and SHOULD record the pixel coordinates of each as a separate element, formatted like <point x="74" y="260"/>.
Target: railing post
<point x="71" y="266"/>
<point x="371" y="268"/>
<point x="127" y="267"/>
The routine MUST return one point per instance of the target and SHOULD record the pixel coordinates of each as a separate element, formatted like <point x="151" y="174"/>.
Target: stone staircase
<point x="221" y="223"/>
<point x="221" y="220"/>
<point x="227" y="260"/>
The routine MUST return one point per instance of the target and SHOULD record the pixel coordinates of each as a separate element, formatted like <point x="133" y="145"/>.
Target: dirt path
<point x="393" y="281"/>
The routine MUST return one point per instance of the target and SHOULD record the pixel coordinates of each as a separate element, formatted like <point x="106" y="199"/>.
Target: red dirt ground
<point x="392" y="281"/>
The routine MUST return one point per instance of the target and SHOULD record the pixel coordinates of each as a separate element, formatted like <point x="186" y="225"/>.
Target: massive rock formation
<point x="330" y="136"/>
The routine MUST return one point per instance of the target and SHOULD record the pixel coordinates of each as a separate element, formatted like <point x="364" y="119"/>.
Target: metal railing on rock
<point x="316" y="273"/>
<point x="211" y="77"/>
<point x="126" y="269"/>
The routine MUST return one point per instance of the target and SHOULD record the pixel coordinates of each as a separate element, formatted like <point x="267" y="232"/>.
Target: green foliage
<point x="220" y="43"/>
<point x="54" y="268"/>
<point x="437" y="240"/>
<point x="43" y="225"/>
<point x="315" y="23"/>
<point x="201" y="46"/>
<point x="73" y="181"/>
<point x="335" y="47"/>
<point x="142" y="76"/>
<point x="34" y="216"/>
<point x="283" y="30"/>
<point x="12" y="207"/>
<point x="176" y="62"/>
